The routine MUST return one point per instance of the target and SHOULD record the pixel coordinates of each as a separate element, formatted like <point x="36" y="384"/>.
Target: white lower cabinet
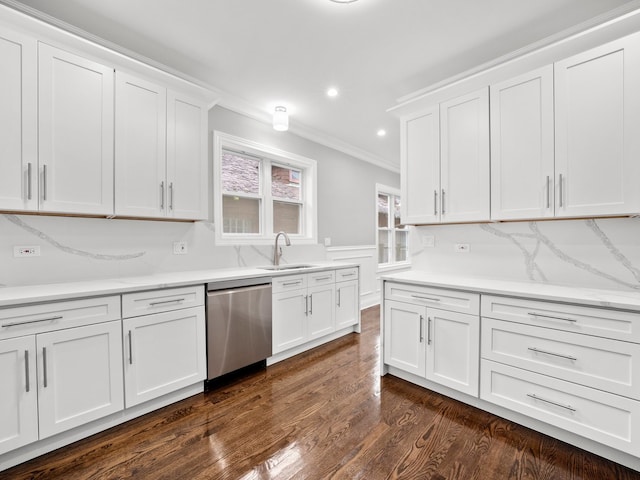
<point x="79" y="376"/>
<point x="312" y="306"/>
<point x="19" y="394"/>
<point x="438" y="345"/>
<point x="163" y="353"/>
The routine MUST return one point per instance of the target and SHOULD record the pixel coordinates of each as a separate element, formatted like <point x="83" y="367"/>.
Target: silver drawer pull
<point x="426" y="298"/>
<point x="429" y="331"/>
<point x="421" y="334"/>
<point x="44" y="367"/>
<point x="130" y="349"/>
<point x="323" y="278"/>
<point x="26" y="370"/>
<point x="533" y="314"/>
<point x="288" y="284"/>
<point x="546" y="352"/>
<point x="17" y="324"/>
<point x="347" y="274"/>
<point x="566" y="407"/>
<point x="164" y="302"/>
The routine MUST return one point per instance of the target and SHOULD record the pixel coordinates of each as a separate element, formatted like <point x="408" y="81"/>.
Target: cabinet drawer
<point x="287" y="283"/>
<point x="572" y="318"/>
<point x="452" y="300"/>
<point x="156" y="301"/>
<point x="346" y="274"/>
<point x="609" y="365"/>
<point x="321" y="278"/>
<point x="37" y="318"/>
<point x="602" y="417"/>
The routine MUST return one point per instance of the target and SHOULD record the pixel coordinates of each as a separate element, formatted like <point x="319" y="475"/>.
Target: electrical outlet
<point x="327" y="241"/>
<point x="179" y="248"/>
<point x="26" y="251"/>
<point x="428" y="241"/>
<point x="461" y="247"/>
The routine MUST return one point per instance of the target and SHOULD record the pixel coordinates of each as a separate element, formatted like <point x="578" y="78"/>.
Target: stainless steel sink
<point x="286" y="267"/>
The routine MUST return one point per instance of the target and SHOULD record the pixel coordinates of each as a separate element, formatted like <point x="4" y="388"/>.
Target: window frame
<point x="391" y="228"/>
<point x="269" y="156"/>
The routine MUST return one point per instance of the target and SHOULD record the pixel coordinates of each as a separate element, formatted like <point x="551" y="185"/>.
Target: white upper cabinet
<point x="75" y="127"/>
<point x="597" y="101"/>
<point x="141" y="116"/>
<point x="464" y="158"/>
<point x="420" y="167"/>
<point x="522" y="162"/>
<point x="186" y="157"/>
<point x="18" y="122"/>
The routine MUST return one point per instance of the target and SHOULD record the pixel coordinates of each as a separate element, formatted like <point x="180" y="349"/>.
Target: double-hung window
<point x="392" y="235"/>
<point x="260" y="190"/>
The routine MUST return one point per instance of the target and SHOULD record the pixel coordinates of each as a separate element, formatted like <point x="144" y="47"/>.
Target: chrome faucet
<point x="278" y="253"/>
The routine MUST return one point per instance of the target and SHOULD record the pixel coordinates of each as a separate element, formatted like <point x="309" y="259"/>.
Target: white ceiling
<point x="259" y="53"/>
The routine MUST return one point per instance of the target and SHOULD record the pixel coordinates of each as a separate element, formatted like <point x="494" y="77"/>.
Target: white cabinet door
<point x="464" y="158"/>
<point x="18" y="396"/>
<point x="453" y="350"/>
<point x="290" y="310"/>
<point x="186" y="157"/>
<point x="404" y="336"/>
<point x="522" y="155"/>
<point x="347" y="304"/>
<point x="597" y="101"/>
<point x="75" y="128"/>
<point x="163" y="353"/>
<point x="321" y="318"/>
<point x="420" y="167"/>
<point x="141" y="112"/>
<point x="79" y="376"/>
<point x="18" y="122"/>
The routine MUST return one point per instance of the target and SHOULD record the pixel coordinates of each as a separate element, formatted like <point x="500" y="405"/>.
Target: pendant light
<point x="280" y="119"/>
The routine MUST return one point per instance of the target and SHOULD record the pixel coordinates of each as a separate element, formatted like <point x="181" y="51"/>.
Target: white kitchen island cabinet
<point x="75" y="130"/>
<point x="597" y="104"/>
<point x="163" y="342"/>
<point x="18" y="121"/>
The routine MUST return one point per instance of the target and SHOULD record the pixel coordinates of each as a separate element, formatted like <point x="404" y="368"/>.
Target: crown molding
<point x="601" y="21"/>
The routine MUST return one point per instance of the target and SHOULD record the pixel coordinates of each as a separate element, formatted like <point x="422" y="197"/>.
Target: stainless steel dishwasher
<point x="238" y="324"/>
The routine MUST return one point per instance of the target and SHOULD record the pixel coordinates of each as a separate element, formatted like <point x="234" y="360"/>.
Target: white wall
<point x="601" y="253"/>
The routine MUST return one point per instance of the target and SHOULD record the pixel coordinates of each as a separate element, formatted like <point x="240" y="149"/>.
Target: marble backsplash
<point x="75" y="249"/>
<point x="592" y="253"/>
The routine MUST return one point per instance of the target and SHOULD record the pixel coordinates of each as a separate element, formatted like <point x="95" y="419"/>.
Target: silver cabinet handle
<point x="536" y="397"/>
<point x="311" y="304"/>
<point x="16" y="324"/>
<point x="26" y="370"/>
<point x="429" y="331"/>
<point x="442" y="206"/>
<point x="171" y="196"/>
<point x="29" y="181"/>
<point x="564" y="319"/>
<point x="44" y="367"/>
<point x="130" y="349"/>
<point x="560" y="189"/>
<point x="546" y="352"/>
<point x="339" y="295"/>
<point x="161" y="195"/>
<point x="548" y="191"/>
<point x="164" y="302"/>
<point x="288" y="284"/>
<point x="347" y="274"/>
<point x="327" y="277"/>
<point x="435" y="202"/>
<point x="306" y="305"/>
<point x="44" y="182"/>
<point x="421" y="334"/>
<point x="426" y="298"/>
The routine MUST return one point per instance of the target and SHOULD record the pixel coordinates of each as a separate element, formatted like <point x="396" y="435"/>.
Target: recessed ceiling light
<point x="343" y="1"/>
<point x="381" y="132"/>
<point x="332" y="92"/>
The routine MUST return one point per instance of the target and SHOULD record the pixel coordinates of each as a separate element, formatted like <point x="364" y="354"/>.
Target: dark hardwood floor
<point x="323" y="414"/>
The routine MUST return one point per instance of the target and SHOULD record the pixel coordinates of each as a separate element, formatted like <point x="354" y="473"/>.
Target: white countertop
<point x="621" y="299"/>
<point x="10" y="296"/>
